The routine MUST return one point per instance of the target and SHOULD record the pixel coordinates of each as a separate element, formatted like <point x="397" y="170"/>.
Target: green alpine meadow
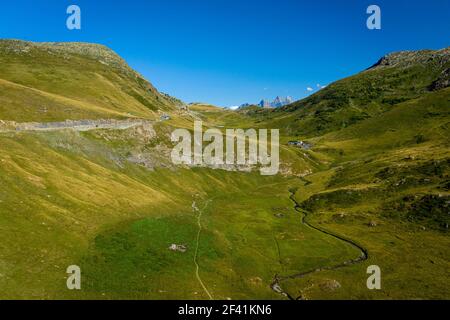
<point x="87" y="180"/>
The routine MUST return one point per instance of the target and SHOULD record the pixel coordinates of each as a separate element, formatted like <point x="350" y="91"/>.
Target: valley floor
<point x="70" y="198"/>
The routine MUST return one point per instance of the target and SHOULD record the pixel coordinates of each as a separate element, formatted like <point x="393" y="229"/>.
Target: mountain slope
<point x="58" y="81"/>
<point x="396" y="78"/>
<point x="383" y="138"/>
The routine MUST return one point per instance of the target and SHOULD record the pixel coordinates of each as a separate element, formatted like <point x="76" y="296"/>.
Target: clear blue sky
<point x="228" y="52"/>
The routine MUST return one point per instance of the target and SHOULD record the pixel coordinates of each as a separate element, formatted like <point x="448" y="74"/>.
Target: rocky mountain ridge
<point x="276" y="103"/>
<point x="409" y="58"/>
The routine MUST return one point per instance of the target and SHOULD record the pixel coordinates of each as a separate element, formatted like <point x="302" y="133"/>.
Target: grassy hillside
<point x="68" y="198"/>
<point x="381" y="140"/>
<point x="58" y="81"/>
<point x="396" y="78"/>
<point x="385" y="133"/>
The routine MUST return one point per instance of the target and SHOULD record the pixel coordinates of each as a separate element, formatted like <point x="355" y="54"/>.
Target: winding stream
<point x="276" y="283"/>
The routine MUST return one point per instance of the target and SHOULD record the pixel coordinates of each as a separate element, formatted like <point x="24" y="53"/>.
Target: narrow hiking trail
<point x="76" y="125"/>
<point x="276" y="284"/>
<point x="199" y="223"/>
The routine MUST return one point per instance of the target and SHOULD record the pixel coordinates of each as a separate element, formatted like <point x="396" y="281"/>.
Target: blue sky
<point x="228" y="52"/>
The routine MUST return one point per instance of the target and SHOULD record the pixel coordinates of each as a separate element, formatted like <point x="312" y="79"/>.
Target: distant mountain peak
<point x="276" y="103"/>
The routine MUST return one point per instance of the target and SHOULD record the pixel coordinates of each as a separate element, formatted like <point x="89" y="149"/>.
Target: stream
<point x="276" y="283"/>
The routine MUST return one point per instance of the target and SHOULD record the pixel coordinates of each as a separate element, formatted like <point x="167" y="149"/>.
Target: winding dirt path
<point x="197" y="267"/>
<point x="76" y="125"/>
<point x="276" y="283"/>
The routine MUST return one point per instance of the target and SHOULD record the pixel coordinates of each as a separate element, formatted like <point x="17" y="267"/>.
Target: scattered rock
<point x="178" y="247"/>
<point x="372" y="224"/>
<point x="339" y="216"/>
<point x="442" y="82"/>
<point x="329" y="285"/>
<point x="301" y="144"/>
<point x="276" y="287"/>
<point x="256" y="281"/>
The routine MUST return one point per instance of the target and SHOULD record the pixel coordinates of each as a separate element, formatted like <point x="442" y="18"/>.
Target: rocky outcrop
<point x="442" y="82"/>
<point x="409" y="58"/>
